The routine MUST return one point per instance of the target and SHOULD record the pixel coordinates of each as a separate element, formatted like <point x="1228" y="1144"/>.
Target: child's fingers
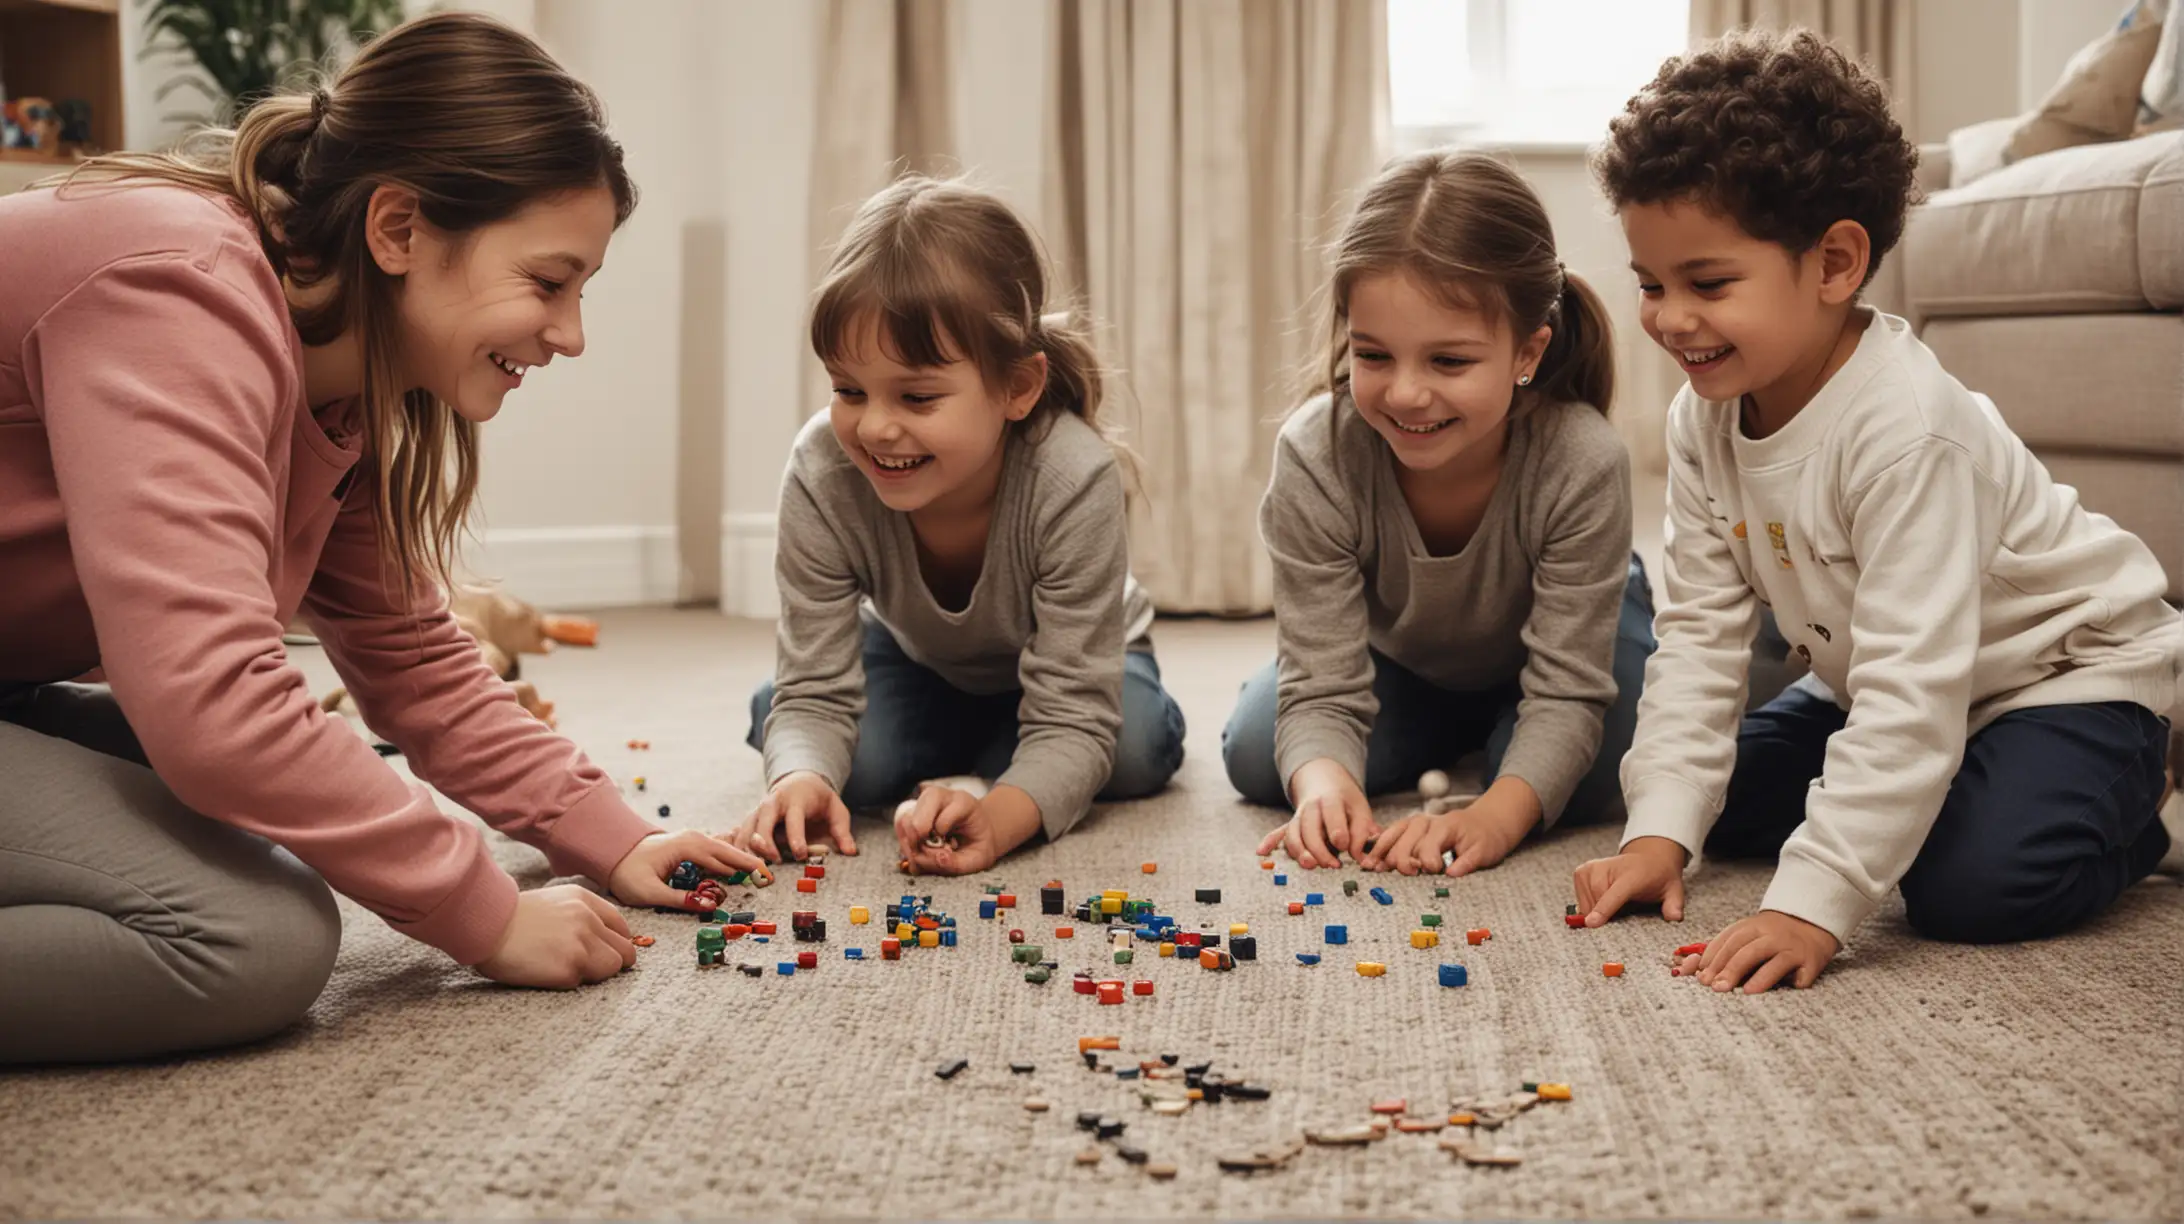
<point x="1272" y="840"/>
<point x="1582" y="881"/>
<point x="1294" y="844"/>
<point x="1777" y="967"/>
<point x="1616" y="891"/>
<point x="955" y="808"/>
<point x="1808" y="973"/>
<point x="718" y="853"/>
<point x="604" y="910"/>
<point x="838" y="825"/>
<point x="760" y="831"/>
<point x="1672" y="899"/>
<point x="1396" y="850"/>
<point x="1383" y="841"/>
<point x="1738" y="953"/>
<point x="1312" y="821"/>
<point x="793" y="823"/>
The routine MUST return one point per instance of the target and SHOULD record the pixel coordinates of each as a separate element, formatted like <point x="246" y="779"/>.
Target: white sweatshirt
<point x="1920" y="556"/>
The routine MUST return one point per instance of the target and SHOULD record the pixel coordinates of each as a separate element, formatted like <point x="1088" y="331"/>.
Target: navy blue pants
<point x="917" y="726"/>
<point x="1422" y="726"/>
<point x="2051" y="815"/>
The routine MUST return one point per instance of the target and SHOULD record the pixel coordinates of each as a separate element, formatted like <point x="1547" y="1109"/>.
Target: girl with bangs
<point x="955" y="585"/>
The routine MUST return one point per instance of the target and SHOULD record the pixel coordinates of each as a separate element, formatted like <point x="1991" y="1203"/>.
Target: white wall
<point x="2050" y="32"/>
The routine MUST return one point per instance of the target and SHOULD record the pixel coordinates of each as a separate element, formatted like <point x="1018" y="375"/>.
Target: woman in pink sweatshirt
<point x="240" y="383"/>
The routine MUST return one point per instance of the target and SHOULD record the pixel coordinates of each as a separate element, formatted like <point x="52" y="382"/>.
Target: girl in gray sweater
<point x="955" y="582"/>
<point x="1450" y="522"/>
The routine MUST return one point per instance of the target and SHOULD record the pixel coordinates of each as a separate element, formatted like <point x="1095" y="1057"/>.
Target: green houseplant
<point x="243" y="49"/>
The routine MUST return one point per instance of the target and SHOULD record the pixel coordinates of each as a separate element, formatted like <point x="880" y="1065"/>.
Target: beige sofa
<point x="2056" y="287"/>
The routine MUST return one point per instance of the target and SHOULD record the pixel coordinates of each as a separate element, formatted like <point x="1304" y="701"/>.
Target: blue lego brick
<point x="761" y="939"/>
<point x="786" y="968"/>
<point x="1308" y="958"/>
<point x="1383" y="896"/>
<point x="1315" y="898"/>
<point x="853" y="954"/>
<point x="1454" y="975"/>
<point x="1338" y="934"/>
<point x="1281" y="878"/>
<point x="947" y="937"/>
<point x="986" y="908"/>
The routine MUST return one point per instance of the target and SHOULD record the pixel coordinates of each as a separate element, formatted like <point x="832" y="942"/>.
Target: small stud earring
<point x="1524" y="380"/>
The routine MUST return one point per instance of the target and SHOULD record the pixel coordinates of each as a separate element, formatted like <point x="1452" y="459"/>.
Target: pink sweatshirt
<point x="168" y="503"/>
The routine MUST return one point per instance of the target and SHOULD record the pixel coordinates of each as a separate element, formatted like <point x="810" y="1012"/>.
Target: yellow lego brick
<point x="859" y="915"/>
<point x="1167" y="949"/>
<point x="1110" y="905"/>
<point x="928" y="939"/>
<point x="1424" y="939"/>
<point x="1239" y="928"/>
<point x="1371" y="969"/>
<point x="905" y="932"/>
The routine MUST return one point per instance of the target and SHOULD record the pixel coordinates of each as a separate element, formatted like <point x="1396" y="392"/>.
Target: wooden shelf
<point x="31" y="157"/>
<point x="65" y="50"/>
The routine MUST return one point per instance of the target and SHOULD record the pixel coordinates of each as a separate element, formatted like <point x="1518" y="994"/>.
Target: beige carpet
<point x="1916" y="1080"/>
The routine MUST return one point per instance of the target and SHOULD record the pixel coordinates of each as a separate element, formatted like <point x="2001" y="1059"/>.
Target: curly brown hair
<point x="1781" y="132"/>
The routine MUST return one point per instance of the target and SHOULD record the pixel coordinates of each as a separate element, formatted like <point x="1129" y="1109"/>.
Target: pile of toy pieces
<point x="1171" y="1088"/>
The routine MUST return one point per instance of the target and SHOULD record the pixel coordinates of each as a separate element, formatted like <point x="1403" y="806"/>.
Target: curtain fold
<point x="1199" y="154"/>
<point x="885" y="108"/>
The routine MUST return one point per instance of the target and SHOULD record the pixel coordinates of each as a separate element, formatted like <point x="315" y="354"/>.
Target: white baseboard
<point x="747" y="586"/>
<point x="581" y="567"/>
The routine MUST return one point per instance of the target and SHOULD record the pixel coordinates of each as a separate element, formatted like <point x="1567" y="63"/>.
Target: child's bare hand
<point x="945" y="831"/>
<point x="1648" y="869"/>
<point x="561" y="937"/>
<point x="796" y="802"/>
<point x="1332" y="816"/>
<point x="641" y="877"/>
<point x="1764" y="950"/>
<point x="1480" y="835"/>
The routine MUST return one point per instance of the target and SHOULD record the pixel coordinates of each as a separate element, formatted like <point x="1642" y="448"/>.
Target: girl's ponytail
<point x="1579" y="365"/>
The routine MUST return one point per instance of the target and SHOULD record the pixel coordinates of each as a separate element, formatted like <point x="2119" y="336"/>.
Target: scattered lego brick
<point x="1308" y="958"/>
<point x="952" y="1068"/>
<point x="1429" y="920"/>
<point x="1454" y="975"/>
<point x="1141" y="987"/>
<point x="1612" y="969"/>
<point x="1383" y="896"/>
<point x="1149" y="868"/>
<point x="1477" y="936"/>
<point x="1209" y="896"/>
<point x="1337" y="933"/>
<point x="1424" y="938"/>
<point x="1396" y="1106"/>
<point x="1371" y="969"/>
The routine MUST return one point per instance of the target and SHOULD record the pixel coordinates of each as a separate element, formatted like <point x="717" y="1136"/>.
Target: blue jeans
<point x="2050" y="816"/>
<point x="918" y="726"/>
<point x="1422" y="726"/>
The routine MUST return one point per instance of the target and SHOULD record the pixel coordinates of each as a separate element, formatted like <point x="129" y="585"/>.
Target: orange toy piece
<point x="1065" y="932"/>
<point x="571" y="630"/>
<point x="1612" y="969"/>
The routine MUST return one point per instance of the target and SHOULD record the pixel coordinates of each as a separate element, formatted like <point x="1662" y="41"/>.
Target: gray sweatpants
<point x="131" y="926"/>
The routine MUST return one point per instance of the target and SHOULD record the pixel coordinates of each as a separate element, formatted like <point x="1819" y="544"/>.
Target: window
<point x="1523" y="71"/>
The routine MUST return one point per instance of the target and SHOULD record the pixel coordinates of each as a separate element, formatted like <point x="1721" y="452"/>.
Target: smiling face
<point x="925" y="436"/>
<point x="483" y="308"/>
<point x="1433" y="379"/>
<point x="1741" y="315"/>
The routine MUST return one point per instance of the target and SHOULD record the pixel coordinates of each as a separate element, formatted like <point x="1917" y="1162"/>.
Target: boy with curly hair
<point x="1979" y="725"/>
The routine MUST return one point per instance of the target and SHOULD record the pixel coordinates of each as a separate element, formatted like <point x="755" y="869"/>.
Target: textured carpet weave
<point x="1915" y="1080"/>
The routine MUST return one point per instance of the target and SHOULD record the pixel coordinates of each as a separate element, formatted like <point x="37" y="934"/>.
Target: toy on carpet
<point x="505" y="628"/>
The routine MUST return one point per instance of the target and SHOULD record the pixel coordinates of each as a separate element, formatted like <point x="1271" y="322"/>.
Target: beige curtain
<point x="885" y="108"/>
<point x="1199" y="154"/>
<point x="1878" y="33"/>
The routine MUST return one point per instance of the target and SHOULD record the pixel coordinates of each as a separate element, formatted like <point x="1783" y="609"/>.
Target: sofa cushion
<point x="2098" y="97"/>
<point x="2094" y="229"/>
<point x="2107" y="383"/>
